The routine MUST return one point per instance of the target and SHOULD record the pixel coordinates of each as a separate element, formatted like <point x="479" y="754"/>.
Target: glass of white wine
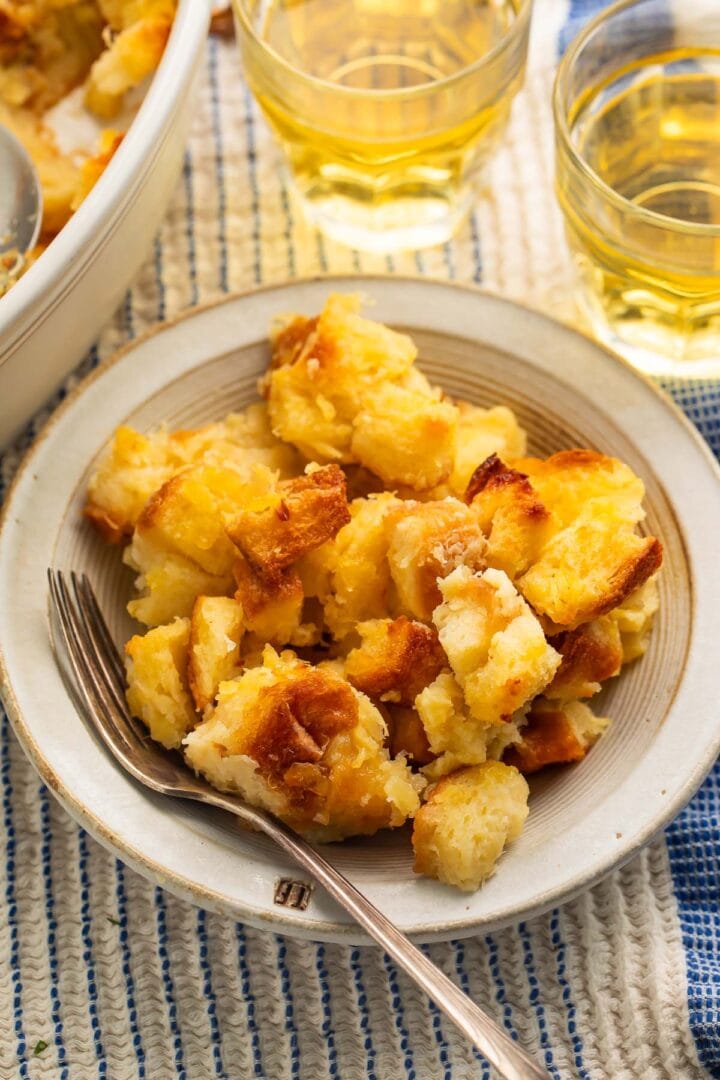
<point x="386" y="109"/>
<point x="637" y="121"/>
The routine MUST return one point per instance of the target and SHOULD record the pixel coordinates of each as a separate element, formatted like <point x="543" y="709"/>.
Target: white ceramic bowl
<point x="584" y="819"/>
<point x="55" y="311"/>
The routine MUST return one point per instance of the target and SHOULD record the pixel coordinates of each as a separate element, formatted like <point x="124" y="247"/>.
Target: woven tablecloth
<point x="120" y="979"/>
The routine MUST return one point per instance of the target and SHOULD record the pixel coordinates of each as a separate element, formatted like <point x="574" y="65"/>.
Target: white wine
<point x="651" y="272"/>
<point x="382" y="118"/>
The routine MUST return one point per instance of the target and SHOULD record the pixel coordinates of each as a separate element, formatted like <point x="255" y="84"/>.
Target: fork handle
<point x="496" y="1046"/>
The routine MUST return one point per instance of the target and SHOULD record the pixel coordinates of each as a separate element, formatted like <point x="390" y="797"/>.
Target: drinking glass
<point x="637" y="123"/>
<point x="386" y="110"/>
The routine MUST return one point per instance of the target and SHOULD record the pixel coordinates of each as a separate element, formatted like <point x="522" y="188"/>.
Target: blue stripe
<point x="255" y="191"/>
<point x="160" y="280"/>
<point x="128" y="317"/>
<point x="459" y="949"/>
<point x="87" y="956"/>
<point x="289" y="225"/>
<point x="500" y="994"/>
<point x="476" y="248"/>
<point x="190" y="225"/>
<point x="168" y="986"/>
<point x="249" y="999"/>
<point x="219" y="166"/>
<point x="327" y="1025"/>
<point x="286" y="989"/>
<point x="693" y="842"/>
<point x="535" y="999"/>
<point x="449" y="258"/>
<point x="121" y="897"/>
<point x="438" y="1033"/>
<point x="206" y="972"/>
<point x="572" y="1029"/>
<point x="399" y="1017"/>
<point x="11" y="901"/>
<point x="362" y="1005"/>
<point x="55" y="1003"/>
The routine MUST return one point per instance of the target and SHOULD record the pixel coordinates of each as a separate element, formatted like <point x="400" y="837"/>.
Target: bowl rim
<point x="46" y="283"/>
<point x="322" y="928"/>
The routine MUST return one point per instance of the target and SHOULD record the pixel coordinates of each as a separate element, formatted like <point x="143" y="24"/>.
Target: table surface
<point x="122" y="980"/>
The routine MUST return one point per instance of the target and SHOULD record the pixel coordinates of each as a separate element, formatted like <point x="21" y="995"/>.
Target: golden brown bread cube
<point x="396" y="659"/>
<point x="357" y="582"/>
<point x="568" y="481"/>
<point x="319" y="383"/>
<point x="510" y="514"/>
<point x="305" y="512"/>
<point x="216" y="629"/>
<point x="407" y="735"/>
<point x="555" y="734"/>
<point x="141" y="33"/>
<point x="590" y="654"/>
<point x="272" y="605"/>
<point x="158" y="691"/>
<point x="589" y="568"/>
<point x="634" y="619"/>
<point x="495" y="645"/>
<point x="168" y="583"/>
<point x="469" y="818"/>
<point x="303" y="743"/>
<point x="405" y="437"/>
<point x="429" y="540"/>
<point x="480" y="433"/>
<point x="455" y="737"/>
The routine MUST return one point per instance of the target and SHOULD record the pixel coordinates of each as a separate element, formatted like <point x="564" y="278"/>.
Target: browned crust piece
<point x="312" y="509"/>
<point x="258" y="592"/>
<point x="289" y="342"/>
<point x="633" y="573"/>
<point x="112" y="531"/>
<point x="590" y="654"/>
<point x="548" y="739"/>
<point x="404" y="660"/>
<point x="407" y="735"/>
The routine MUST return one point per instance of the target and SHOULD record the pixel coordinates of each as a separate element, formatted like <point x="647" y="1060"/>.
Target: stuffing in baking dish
<point x="366" y="605"/>
<point x="49" y="48"/>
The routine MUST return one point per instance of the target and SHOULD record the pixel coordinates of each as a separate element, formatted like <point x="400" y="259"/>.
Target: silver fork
<point x="79" y="632"/>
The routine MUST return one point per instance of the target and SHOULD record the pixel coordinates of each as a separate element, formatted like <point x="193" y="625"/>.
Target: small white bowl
<point x="584" y="819"/>
<point x="55" y="311"/>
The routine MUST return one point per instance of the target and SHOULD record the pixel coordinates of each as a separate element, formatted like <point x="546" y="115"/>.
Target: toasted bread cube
<point x="130" y="471"/>
<point x="135" y="52"/>
<point x="303" y="743"/>
<point x="405" y="437"/>
<point x="590" y="654"/>
<point x="322" y="376"/>
<point x="429" y="541"/>
<point x="516" y="523"/>
<point x="158" y="692"/>
<point x="272" y="605"/>
<point x="187" y="516"/>
<point x="469" y="818"/>
<point x="360" y="584"/>
<point x="634" y="619"/>
<point x="589" y="568"/>
<point x="569" y="481"/>
<point x="168" y="583"/>
<point x="480" y="433"/>
<point x="396" y="659"/>
<point x="495" y="645"/>
<point x="216" y="629"/>
<point x="455" y="737"/>
<point x="305" y="513"/>
<point x="407" y="735"/>
<point x="555" y="734"/>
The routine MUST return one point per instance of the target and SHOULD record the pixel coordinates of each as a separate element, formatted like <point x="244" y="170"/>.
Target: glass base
<point x="652" y="349"/>
<point x="403" y="224"/>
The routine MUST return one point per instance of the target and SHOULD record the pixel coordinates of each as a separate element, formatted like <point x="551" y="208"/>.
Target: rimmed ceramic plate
<point x="567" y="391"/>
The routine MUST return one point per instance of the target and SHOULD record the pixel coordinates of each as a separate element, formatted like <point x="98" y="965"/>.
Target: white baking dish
<point x="56" y="310"/>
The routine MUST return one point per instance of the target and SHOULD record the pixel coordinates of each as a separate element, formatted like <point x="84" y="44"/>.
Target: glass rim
<point x="562" y="130"/>
<point x="403" y="92"/>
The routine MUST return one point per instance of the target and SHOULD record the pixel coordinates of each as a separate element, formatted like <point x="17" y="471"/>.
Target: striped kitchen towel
<point x="102" y="974"/>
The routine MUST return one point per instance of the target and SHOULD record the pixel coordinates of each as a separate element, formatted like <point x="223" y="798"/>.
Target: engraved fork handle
<point x="500" y="1050"/>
